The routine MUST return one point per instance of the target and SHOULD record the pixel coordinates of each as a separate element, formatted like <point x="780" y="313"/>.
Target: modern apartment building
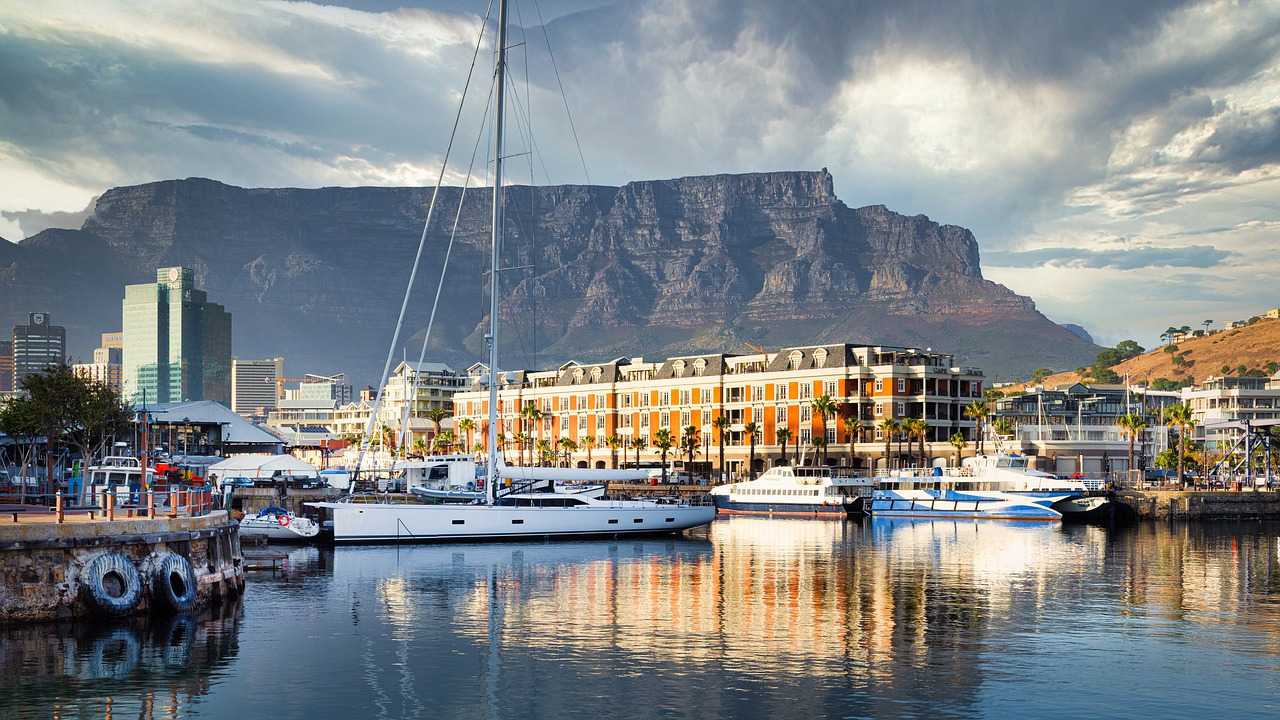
<point x="37" y="346"/>
<point x="255" y="386"/>
<point x="413" y="391"/>
<point x="108" y="362"/>
<point x="177" y="344"/>
<point x="634" y="398"/>
<point x="6" y="366"/>
<point x="1232" y="398"/>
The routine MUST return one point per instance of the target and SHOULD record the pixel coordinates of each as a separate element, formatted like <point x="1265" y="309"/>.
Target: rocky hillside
<point x="1254" y="348"/>
<point x="653" y="268"/>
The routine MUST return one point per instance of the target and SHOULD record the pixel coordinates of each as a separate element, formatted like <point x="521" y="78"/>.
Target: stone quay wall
<point x="1191" y="505"/>
<point x="41" y="563"/>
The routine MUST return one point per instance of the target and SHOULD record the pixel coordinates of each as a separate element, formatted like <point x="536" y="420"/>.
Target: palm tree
<point x="751" y="429"/>
<point x="531" y="415"/>
<point x="915" y="429"/>
<point x="436" y="416"/>
<point x="589" y="442"/>
<point x="1180" y="417"/>
<point x="662" y="441"/>
<point x="819" y="447"/>
<point x="639" y="443"/>
<point x="1002" y="427"/>
<point x="978" y="412"/>
<point x="614" y="441"/>
<point x="1132" y="425"/>
<point x="544" y="450"/>
<point x="420" y="447"/>
<point x="522" y="442"/>
<point x="957" y="441"/>
<point x="443" y="440"/>
<point x="689" y="443"/>
<point x="784" y="434"/>
<point x="568" y="446"/>
<point x="853" y="427"/>
<point x="888" y="428"/>
<point x="721" y="423"/>
<point x="466" y="425"/>
<point x="825" y="407"/>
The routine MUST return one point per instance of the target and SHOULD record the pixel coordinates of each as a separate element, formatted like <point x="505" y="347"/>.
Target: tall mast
<point x="491" y="482"/>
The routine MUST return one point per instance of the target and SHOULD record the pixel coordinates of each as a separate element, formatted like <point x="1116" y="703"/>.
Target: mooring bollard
<point x="151" y="504"/>
<point x="111" y="506"/>
<point x="58" y="505"/>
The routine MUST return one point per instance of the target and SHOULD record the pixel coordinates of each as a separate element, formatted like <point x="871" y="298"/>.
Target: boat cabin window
<point x="438" y="472"/>
<point x="99" y="478"/>
<point x="118" y="478"/>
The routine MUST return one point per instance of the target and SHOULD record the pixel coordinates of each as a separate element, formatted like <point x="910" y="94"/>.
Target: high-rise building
<point x="108" y="362"/>
<point x="6" y="366"/>
<point x="177" y="344"/>
<point x="37" y="346"/>
<point x="254" y="386"/>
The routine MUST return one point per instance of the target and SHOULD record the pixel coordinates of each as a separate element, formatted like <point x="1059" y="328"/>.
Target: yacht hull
<point x="726" y="506"/>
<point x="951" y="504"/>
<point x="370" y="523"/>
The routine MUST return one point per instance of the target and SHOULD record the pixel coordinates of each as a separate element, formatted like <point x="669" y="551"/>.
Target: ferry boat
<point x="784" y="490"/>
<point x="1001" y="486"/>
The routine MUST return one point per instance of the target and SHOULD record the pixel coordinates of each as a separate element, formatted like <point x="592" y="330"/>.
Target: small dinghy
<point x="278" y="525"/>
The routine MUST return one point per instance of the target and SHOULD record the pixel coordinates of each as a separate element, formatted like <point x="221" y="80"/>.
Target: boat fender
<point x="283" y="520"/>
<point x="112" y="583"/>
<point x="173" y="585"/>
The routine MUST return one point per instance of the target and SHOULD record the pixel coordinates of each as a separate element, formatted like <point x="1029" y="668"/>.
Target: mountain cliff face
<point x="652" y="268"/>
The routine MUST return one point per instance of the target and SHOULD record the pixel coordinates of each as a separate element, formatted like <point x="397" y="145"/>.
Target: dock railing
<point x="110" y="506"/>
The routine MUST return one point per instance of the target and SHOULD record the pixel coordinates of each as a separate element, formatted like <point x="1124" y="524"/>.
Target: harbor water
<point x="751" y="618"/>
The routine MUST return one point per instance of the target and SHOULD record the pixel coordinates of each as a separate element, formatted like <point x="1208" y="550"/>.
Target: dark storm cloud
<point x="1195" y="256"/>
<point x="1243" y="140"/>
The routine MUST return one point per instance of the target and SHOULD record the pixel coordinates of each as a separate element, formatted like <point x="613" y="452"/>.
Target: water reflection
<point x="754" y="618"/>
<point x="145" y="668"/>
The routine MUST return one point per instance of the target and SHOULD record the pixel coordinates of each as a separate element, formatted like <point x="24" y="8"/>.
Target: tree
<point x="784" y="434"/>
<point x="721" y="424"/>
<point x="419" y="447"/>
<point x="752" y="429"/>
<point x="888" y="428"/>
<point x="958" y="442"/>
<point x="544" y="451"/>
<point x="919" y="429"/>
<point x="853" y="428"/>
<point x="443" y="441"/>
<point x="689" y="443"/>
<point x="1040" y="374"/>
<point x="1180" y="418"/>
<point x="589" y="442"/>
<point x="978" y="412"/>
<point x="531" y="415"/>
<point x="1132" y="425"/>
<point x="436" y="416"/>
<point x="522" y="443"/>
<point x="614" y="441"/>
<point x="569" y="446"/>
<point x="467" y="425"/>
<point x="639" y="443"/>
<point x="824" y="407"/>
<point x="662" y="440"/>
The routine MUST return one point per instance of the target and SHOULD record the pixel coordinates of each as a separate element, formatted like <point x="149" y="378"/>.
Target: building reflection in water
<point x="143" y="668"/>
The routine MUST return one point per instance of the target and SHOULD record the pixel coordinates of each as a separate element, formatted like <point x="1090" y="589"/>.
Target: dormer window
<point x="700" y="366"/>
<point x="678" y="366"/>
<point x="820" y="357"/>
<point x="795" y="359"/>
<point x="595" y="375"/>
<point x="577" y="376"/>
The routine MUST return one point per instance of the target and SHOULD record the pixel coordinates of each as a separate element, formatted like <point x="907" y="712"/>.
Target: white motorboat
<point x="507" y="512"/>
<point x="120" y="475"/>
<point x="784" y="490"/>
<point x="1002" y="486"/>
<point x="278" y="525"/>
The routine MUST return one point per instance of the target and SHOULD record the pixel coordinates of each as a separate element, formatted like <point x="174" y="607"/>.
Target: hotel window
<point x="781" y="391"/>
<point x="902" y="385"/>
<point x="599" y="423"/>
<point x="626" y="400"/>
<point x="805" y="436"/>
<point x="819" y="357"/>
<point x="902" y="409"/>
<point x="686" y="397"/>
<point x="664" y="419"/>
<point x="805" y="391"/>
<point x="757" y="392"/>
<point x="625" y="420"/>
<point x="601" y="400"/>
<point x="684" y="419"/>
<point x="806" y="413"/>
<point x="830" y="388"/>
<point x="664" y="398"/>
<point x="643" y="399"/>
<point x="678" y="367"/>
<point x="795" y="359"/>
<point x="582" y="423"/>
<point x="595" y="375"/>
<point x="879" y="384"/>
<point x="831" y="435"/>
<point x="879" y="409"/>
<point x="780" y="415"/>
<point x="699" y="366"/>
<point x="582" y="402"/>
<point x="644" y="421"/>
<point x="735" y="394"/>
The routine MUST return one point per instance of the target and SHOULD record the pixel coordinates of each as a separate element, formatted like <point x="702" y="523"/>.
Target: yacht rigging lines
<point x="522" y="510"/>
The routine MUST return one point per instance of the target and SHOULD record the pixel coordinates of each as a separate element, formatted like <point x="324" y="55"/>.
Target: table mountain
<point x="650" y="268"/>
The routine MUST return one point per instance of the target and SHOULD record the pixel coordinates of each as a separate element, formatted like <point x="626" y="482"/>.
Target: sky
<point x="1116" y="160"/>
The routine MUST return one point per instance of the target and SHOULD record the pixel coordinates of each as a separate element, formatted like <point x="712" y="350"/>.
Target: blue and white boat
<point x="1002" y="486"/>
<point x="784" y="490"/>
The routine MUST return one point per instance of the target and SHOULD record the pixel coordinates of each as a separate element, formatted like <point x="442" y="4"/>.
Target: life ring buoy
<point x="173" y="585"/>
<point x="112" y="584"/>
<point x="283" y="520"/>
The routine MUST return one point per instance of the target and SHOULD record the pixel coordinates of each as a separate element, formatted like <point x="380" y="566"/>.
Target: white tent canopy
<point x="262" y="466"/>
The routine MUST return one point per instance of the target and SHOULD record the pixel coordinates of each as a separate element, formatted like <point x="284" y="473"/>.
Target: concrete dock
<point x="1201" y="505"/>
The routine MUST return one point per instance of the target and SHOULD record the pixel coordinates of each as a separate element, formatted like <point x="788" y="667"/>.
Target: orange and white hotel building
<point x="632" y="397"/>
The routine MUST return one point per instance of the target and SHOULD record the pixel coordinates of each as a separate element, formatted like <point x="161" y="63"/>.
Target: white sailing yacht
<point x="514" y="511"/>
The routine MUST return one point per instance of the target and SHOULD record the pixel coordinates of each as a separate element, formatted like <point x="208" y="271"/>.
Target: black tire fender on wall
<point x="112" y="583"/>
<point x="173" y="584"/>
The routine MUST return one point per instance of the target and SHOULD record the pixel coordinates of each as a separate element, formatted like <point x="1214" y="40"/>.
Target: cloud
<point x="1194" y="256"/>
